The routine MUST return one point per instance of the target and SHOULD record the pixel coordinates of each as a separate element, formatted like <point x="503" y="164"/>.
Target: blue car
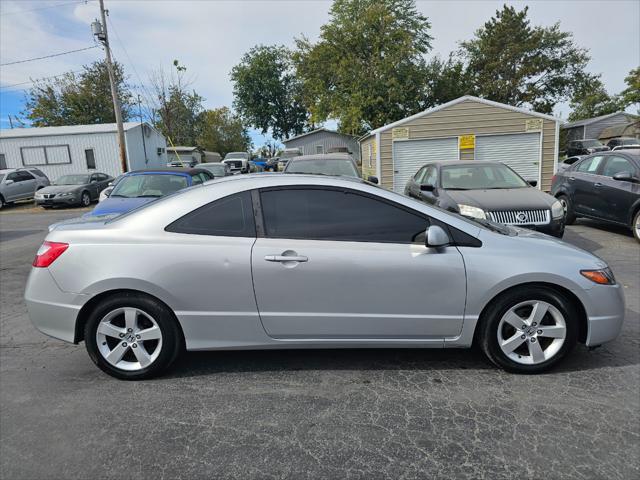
<point x="143" y="186"/>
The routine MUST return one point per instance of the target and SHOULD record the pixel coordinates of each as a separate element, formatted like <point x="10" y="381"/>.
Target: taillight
<point x="48" y="253"/>
<point x="553" y="179"/>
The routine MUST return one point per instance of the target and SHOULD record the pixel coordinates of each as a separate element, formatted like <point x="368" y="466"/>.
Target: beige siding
<point x="469" y="117"/>
<point x="466" y="155"/>
<point x="368" y="156"/>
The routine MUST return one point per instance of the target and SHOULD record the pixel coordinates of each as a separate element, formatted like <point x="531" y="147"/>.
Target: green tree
<point x="176" y="109"/>
<point x="268" y="94"/>
<point x="446" y="81"/>
<point x="591" y="99"/>
<point x="631" y="94"/>
<point x="223" y="132"/>
<point x="367" y="68"/>
<point x="78" y="99"/>
<point x="513" y="62"/>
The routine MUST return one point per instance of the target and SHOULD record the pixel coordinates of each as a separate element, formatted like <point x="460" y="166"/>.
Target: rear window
<point x="324" y="166"/>
<point x="38" y="173"/>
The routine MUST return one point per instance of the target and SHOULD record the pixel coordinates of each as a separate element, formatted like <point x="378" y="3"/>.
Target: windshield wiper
<point x="116" y="195"/>
<point x="456" y="188"/>
<point x="148" y="196"/>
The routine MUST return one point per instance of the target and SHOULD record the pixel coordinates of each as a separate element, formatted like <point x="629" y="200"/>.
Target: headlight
<point x="471" y="211"/>
<point x="603" y="276"/>
<point x="66" y="194"/>
<point x="557" y="210"/>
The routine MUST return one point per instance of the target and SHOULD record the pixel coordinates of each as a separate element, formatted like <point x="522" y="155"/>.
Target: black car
<point x="567" y="162"/>
<point x="75" y="189"/>
<point x="585" y="147"/>
<point x="623" y="142"/>
<point x="487" y="190"/>
<point x="604" y="186"/>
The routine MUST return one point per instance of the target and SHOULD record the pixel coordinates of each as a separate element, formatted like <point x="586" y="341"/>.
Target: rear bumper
<point x="51" y="310"/>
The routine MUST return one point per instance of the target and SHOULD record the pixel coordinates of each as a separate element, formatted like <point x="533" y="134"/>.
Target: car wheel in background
<point x="132" y="337"/>
<point x="528" y="330"/>
<point x="85" y="199"/>
<point x="569" y="216"/>
<point x="635" y="225"/>
<point x="2" y="202"/>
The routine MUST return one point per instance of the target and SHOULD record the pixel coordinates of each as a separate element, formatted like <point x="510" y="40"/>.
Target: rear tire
<point x="528" y="330"/>
<point x="2" y="202"/>
<point x="132" y="336"/>
<point x="569" y="216"/>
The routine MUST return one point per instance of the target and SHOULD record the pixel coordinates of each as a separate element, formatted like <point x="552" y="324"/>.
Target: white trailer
<point x="59" y="151"/>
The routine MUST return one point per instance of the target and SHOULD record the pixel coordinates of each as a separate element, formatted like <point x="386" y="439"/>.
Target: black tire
<point x="635" y="226"/>
<point x="2" y="202"/>
<point x="85" y="199"/>
<point x="490" y="321"/>
<point x="172" y="340"/>
<point x="569" y="215"/>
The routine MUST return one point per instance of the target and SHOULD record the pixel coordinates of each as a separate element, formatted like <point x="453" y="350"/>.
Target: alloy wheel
<point x="637" y="226"/>
<point x="129" y="338"/>
<point x="532" y="332"/>
<point x="86" y="199"/>
<point x="563" y="202"/>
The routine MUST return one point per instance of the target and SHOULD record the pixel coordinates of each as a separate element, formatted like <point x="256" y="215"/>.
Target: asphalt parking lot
<point x="315" y="414"/>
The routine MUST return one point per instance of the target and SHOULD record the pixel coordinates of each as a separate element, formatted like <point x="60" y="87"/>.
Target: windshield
<point x="217" y="169"/>
<point x="72" y="180"/>
<point x="481" y="177"/>
<point x="591" y="143"/>
<point x="236" y="155"/>
<point x="1" y="177"/>
<point x="149" y="185"/>
<point x="324" y="166"/>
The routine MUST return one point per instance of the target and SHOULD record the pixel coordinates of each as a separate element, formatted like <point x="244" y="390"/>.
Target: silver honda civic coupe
<point x="301" y="261"/>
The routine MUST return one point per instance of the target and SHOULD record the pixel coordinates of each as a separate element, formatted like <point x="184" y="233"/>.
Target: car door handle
<point x="286" y="258"/>
<point x="571" y="179"/>
<point x="597" y="184"/>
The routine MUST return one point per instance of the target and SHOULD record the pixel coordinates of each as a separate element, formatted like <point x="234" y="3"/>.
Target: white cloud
<point x="209" y="37"/>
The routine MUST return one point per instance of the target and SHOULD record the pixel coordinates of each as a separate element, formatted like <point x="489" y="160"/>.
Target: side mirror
<point x="372" y="179"/>
<point x="107" y="191"/>
<point x="427" y="187"/>
<point x="110" y="184"/>
<point x="94" y="181"/>
<point x="8" y="182"/>
<point x="624" y="177"/>
<point x="533" y="183"/>
<point x="436" y="237"/>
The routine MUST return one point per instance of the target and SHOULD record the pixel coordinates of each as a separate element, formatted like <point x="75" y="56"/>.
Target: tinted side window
<point x="589" y="165"/>
<point x="419" y="176"/>
<point x="431" y="176"/>
<point x="616" y="165"/>
<point x="38" y="173"/>
<point x="230" y="216"/>
<point x="196" y="179"/>
<point x="339" y="215"/>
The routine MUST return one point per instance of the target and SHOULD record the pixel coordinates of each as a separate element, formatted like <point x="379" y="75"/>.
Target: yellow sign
<point x="533" y="125"/>
<point x="466" y="142"/>
<point x="374" y="147"/>
<point x="400" y="133"/>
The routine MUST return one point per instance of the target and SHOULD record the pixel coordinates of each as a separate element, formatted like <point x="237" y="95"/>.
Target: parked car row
<point x="20" y="184"/>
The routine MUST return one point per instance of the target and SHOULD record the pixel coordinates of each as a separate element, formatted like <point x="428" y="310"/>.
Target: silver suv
<point x="20" y="184"/>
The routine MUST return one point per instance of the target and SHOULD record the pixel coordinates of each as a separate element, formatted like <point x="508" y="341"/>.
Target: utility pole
<point x="99" y="29"/>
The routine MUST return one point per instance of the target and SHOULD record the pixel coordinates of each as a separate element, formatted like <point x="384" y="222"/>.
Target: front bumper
<point x="71" y="200"/>
<point x="51" y="310"/>
<point x="554" y="228"/>
<point x="604" y="305"/>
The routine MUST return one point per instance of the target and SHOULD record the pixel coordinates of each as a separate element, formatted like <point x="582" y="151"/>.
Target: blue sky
<point x="209" y="37"/>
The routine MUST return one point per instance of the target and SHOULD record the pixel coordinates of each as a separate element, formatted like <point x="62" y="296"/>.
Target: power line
<point x="45" y="8"/>
<point x="48" y="56"/>
<point x="38" y="79"/>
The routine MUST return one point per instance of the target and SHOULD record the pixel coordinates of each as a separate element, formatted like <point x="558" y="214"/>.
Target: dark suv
<point x="623" y="142"/>
<point x="585" y="147"/>
<point x="604" y="186"/>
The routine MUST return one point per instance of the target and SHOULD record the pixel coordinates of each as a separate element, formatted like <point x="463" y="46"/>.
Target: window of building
<point x="3" y="161"/>
<point x="230" y="216"/>
<point x="91" y="159"/>
<point x="339" y="215"/>
<point x="45" y="155"/>
<point x="319" y="149"/>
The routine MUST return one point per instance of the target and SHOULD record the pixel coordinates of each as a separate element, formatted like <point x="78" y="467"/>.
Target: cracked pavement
<point x="315" y="413"/>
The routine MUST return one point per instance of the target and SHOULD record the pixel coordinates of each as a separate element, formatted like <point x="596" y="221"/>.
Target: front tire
<point x="132" y="337"/>
<point x="85" y="199"/>
<point x="635" y="226"/>
<point x="569" y="215"/>
<point x="528" y="330"/>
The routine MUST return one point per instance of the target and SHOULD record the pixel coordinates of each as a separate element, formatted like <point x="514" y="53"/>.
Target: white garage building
<point x="82" y="148"/>
<point x="467" y="128"/>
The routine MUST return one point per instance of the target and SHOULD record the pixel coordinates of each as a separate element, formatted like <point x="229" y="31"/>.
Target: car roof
<point x="324" y="156"/>
<point x="178" y="170"/>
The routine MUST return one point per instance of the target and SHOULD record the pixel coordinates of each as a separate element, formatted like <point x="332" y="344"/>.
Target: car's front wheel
<point x="567" y="206"/>
<point x="132" y="337"/>
<point x="635" y="226"/>
<point x="528" y="330"/>
<point x="85" y="199"/>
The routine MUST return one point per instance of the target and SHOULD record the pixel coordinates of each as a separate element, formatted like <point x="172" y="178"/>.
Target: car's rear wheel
<point x="2" y="202"/>
<point x="567" y="206"/>
<point x="528" y="330"/>
<point x="635" y="226"/>
<point x="85" y="199"/>
<point x="132" y="337"/>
